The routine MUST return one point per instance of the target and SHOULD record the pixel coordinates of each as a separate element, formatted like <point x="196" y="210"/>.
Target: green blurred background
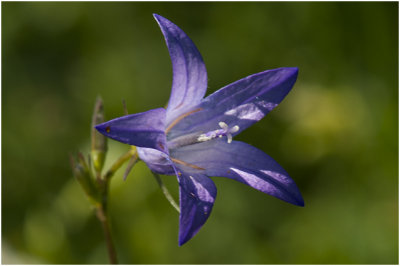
<point x="336" y="133"/>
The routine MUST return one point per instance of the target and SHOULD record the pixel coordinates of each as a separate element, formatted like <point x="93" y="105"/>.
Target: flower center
<point x="194" y="138"/>
<point x="224" y="131"/>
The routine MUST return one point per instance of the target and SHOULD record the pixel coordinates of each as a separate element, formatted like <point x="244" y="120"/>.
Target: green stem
<point x="118" y="163"/>
<point x="101" y="214"/>
<point x="166" y="192"/>
<point x="101" y="210"/>
<point x="131" y="164"/>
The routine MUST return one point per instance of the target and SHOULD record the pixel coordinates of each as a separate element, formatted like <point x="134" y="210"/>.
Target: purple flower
<point x="192" y="137"/>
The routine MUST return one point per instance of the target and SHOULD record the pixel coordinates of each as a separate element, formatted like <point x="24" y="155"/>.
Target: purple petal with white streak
<point x="244" y="163"/>
<point x="241" y="103"/>
<point x="157" y="161"/>
<point x="197" y="194"/>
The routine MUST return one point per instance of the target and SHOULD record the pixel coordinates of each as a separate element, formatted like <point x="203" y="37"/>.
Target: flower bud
<point x="99" y="141"/>
<point x="83" y="174"/>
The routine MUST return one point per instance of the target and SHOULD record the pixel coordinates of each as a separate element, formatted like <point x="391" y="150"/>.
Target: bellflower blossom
<point x="192" y="137"/>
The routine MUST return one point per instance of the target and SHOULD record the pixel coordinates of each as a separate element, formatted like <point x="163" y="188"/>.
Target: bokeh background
<point x="336" y="133"/>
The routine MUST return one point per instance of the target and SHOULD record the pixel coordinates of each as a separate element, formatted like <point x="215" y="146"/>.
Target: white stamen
<point x="234" y="129"/>
<point x="203" y="137"/>
<point x="225" y="131"/>
<point x="223" y="125"/>
<point x="229" y="136"/>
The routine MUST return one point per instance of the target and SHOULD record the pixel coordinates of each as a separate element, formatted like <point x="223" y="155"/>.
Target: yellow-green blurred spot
<point x="72" y="206"/>
<point x="44" y="233"/>
<point x="324" y="121"/>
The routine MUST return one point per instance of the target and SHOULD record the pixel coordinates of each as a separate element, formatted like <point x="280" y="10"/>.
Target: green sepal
<point x="98" y="158"/>
<point x="85" y="178"/>
<point x="99" y="141"/>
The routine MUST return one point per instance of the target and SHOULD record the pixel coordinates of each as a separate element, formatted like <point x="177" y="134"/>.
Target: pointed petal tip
<point x="294" y="197"/>
<point x="293" y="70"/>
<point x="298" y="201"/>
<point x="159" y="18"/>
<point x="290" y="73"/>
<point x="288" y="70"/>
<point x="100" y="127"/>
<point x="182" y="241"/>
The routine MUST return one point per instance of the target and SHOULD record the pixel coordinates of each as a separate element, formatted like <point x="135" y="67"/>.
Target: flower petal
<point x="241" y="103"/>
<point x="189" y="82"/>
<point x="197" y="194"/>
<point x="142" y="129"/>
<point x="157" y="161"/>
<point x="241" y="162"/>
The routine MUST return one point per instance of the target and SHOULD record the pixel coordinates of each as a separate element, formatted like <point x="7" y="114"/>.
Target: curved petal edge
<point x="189" y="81"/>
